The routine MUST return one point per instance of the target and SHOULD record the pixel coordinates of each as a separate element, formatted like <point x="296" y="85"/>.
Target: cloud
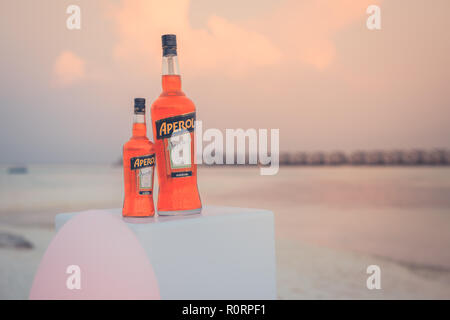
<point x="306" y="30"/>
<point x="302" y="31"/>
<point x="222" y="46"/>
<point x="68" y="69"/>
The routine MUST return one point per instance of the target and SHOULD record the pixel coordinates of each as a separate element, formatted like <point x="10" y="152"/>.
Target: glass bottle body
<point x="138" y="170"/>
<point x="173" y="118"/>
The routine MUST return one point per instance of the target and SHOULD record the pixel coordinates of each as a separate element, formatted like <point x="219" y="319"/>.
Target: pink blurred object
<point x="112" y="263"/>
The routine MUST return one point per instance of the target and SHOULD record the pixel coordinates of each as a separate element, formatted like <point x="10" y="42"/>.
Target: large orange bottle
<point x="138" y="167"/>
<point x="173" y="119"/>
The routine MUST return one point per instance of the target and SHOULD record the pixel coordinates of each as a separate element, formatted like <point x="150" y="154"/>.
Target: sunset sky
<point x="310" y="68"/>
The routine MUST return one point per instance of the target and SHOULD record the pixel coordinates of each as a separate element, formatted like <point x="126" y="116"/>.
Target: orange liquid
<point x="136" y="204"/>
<point x="175" y="193"/>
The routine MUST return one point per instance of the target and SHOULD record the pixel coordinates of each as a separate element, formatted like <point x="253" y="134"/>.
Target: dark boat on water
<point x="18" y="170"/>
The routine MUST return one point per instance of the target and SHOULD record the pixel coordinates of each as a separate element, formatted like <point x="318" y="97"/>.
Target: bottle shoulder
<point x="139" y="144"/>
<point x="171" y="99"/>
<point x="170" y="105"/>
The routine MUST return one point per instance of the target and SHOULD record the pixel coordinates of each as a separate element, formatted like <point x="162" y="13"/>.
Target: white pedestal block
<point x="222" y="253"/>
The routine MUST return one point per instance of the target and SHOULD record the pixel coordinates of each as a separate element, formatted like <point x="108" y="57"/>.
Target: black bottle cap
<point x="169" y="44"/>
<point x="139" y="105"/>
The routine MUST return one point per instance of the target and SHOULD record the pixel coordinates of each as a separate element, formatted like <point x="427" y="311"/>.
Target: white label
<point x="145" y="177"/>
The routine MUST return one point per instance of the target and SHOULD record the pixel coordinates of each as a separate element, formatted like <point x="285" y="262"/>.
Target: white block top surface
<point x="207" y="212"/>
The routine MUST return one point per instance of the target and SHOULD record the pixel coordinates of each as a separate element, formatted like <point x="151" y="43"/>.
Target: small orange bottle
<point x="138" y="167"/>
<point x="173" y="119"/>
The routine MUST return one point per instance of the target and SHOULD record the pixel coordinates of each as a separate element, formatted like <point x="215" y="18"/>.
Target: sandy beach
<point x="330" y="223"/>
<point x="304" y="271"/>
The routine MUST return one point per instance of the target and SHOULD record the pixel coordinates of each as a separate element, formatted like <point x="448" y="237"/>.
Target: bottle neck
<point x="170" y="65"/>
<point x="171" y="80"/>
<point x="139" y="126"/>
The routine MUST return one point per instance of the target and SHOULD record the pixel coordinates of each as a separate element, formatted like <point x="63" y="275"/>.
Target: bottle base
<point x="179" y="212"/>
<point x="137" y="216"/>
